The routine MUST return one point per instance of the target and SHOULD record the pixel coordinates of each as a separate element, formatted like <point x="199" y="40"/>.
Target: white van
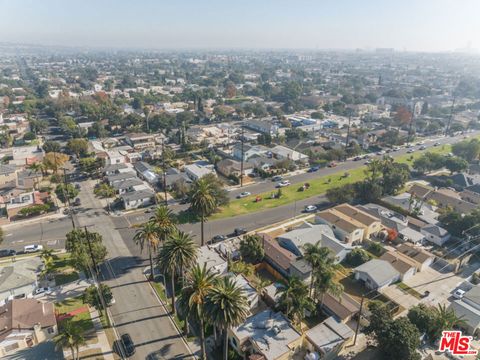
<point x="32" y="248"/>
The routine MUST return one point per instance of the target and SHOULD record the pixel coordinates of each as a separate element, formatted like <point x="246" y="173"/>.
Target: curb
<point x="171" y="319"/>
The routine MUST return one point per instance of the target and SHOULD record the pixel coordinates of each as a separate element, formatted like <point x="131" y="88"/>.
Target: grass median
<point x="318" y="186"/>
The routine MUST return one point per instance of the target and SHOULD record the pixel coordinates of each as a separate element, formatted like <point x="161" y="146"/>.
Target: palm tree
<point x="148" y="234"/>
<point x="326" y="284"/>
<point x="294" y="297"/>
<point x="445" y="318"/>
<point x="226" y="305"/>
<point x="36" y="167"/>
<point x="199" y="282"/>
<point x="178" y="253"/>
<point x="202" y="201"/>
<point x="71" y="337"/>
<point x="165" y="221"/>
<point x="316" y="256"/>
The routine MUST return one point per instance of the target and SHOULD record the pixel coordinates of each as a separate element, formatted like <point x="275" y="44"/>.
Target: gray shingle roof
<point x="380" y="271"/>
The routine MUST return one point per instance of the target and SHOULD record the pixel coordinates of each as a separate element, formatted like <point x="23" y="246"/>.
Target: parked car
<point x="42" y="290"/>
<point x="381" y="152"/>
<point x="218" y="238"/>
<point x="77" y="202"/>
<point x="239" y="231"/>
<point x="410" y="151"/>
<point x="437" y="144"/>
<point x="77" y="186"/>
<point x="7" y="252"/>
<point x="283" y="183"/>
<point x="357" y="158"/>
<point x="313" y="169"/>
<point x="310" y="208"/>
<point x="32" y="248"/>
<point x="277" y="178"/>
<point x="243" y="194"/>
<point x="423" y="147"/>
<point x="184" y="201"/>
<point x="332" y="164"/>
<point x="458" y="294"/>
<point x="128" y="345"/>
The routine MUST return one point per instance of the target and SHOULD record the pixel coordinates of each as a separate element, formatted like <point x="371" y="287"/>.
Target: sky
<point x="413" y="25"/>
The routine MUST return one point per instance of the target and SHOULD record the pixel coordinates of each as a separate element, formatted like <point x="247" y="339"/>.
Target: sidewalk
<point x="58" y="215"/>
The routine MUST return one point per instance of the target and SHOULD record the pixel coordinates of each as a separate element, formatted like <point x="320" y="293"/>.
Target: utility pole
<point x="447" y="129"/>
<point x="241" y="163"/>
<point x="65" y="195"/>
<point x="164" y="173"/>
<point x="348" y="133"/>
<point x="411" y="124"/>
<point x="358" y="322"/>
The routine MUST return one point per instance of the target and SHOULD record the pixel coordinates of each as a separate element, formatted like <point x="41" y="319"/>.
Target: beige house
<point x="25" y="323"/>
<point x="349" y="223"/>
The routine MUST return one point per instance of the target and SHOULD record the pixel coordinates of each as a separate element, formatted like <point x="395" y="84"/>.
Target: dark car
<point x="128" y="345"/>
<point x="313" y="169"/>
<point x="184" y="201"/>
<point x="218" y="238"/>
<point x="239" y="231"/>
<point x="77" y="202"/>
<point x="7" y="252"/>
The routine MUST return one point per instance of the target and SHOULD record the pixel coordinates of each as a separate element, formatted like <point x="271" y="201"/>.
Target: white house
<point x="435" y="234"/>
<point x="136" y="199"/>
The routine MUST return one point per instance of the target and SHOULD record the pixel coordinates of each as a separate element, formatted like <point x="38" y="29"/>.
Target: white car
<point x="437" y="144"/>
<point x="243" y="194"/>
<point x="410" y="151"/>
<point x="283" y="183"/>
<point x="458" y="294"/>
<point x="42" y="290"/>
<point x="423" y="147"/>
<point x="310" y="208"/>
<point x="32" y="248"/>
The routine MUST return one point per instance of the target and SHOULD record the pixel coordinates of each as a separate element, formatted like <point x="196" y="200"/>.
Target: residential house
<point x="277" y="256"/>
<point x="389" y="219"/>
<point x="343" y="308"/>
<point x="23" y="200"/>
<point x="19" y="279"/>
<point x="406" y="201"/>
<point x="443" y="197"/>
<point x="129" y="185"/>
<point x="262" y="126"/>
<point x="435" y="234"/>
<point x="376" y="274"/>
<point x="405" y="266"/>
<point x="199" y="169"/>
<point x="422" y="258"/>
<point x="136" y="199"/>
<point x="230" y="167"/>
<point x="123" y="176"/>
<point x="26" y="155"/>
<point x="117" y="169"/>
<point x="267" y="334"/>
<point x="8" y="176"/>
<point x="25" y="323"/>
<point x="468" y="309"/>
<point x="249" y="291"/>
<point x="248" y="151"/>
<point x="471" y="194"/>
<point x="173" y="176"/>
<point x="212" y="260"/>
<point x="295" y="240"/>
<point x="27" y="179"/>
<point x="140" y="141"/>
<point x="372" y="225"/>
<point x="147" y="173"/>
<point x="328" y="338"/>
<point x="283" y="153"/>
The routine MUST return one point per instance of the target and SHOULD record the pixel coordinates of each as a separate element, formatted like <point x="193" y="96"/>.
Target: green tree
<point x="423" y="317"/>
<point x="70" y="336"/>
<point x="468" y="150"/>
<point x="81" y="258"/>
<point x="165" y="221"/>
<point x="294" y="298"/>
<point x="394" y="176"/>
<point x="91" y="296"/>
<point x="104" y="190"/>
<point x="199" y="281"/>
<point x="203" y="202"/>
<point x="226" y="306"/>
<point x="444" y="319"/>
<point x="147" y="235"/>
<point x="177" y="254"/>
<point x="77" y="146"/>
<point x="456" y="164"/>
<point x="251" y="248"/>
<point x="54" y="161"/>
<point x="357" y="257"/>
<point x="90" y="165"/>
<point x="65" y="192"/>
<point x="341" y="194"/>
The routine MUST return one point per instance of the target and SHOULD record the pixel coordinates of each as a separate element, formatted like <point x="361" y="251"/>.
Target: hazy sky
<point x="426" y="25"/>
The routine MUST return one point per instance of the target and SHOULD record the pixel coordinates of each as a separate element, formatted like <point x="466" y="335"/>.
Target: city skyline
<point x="429" y="25"/>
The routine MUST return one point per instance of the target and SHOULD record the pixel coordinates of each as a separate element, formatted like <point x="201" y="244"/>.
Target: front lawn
<point x="81" y="319"/>
<point x="63" y="270"/>
<point x="318" y="186"/>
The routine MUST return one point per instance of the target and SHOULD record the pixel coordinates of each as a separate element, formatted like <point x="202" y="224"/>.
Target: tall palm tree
<point x="36" y="167"/>
<point x="326" y="284"/>
<point x="317" y="256"/>
<point x="445" y="318"/>
<point x="226" y="305"/>
<point x="202" y="201"/>
<point x="165" y="221"/>
<point x="198" y="283"/>
<point x="71" y="337"/>
<point x="295" y="299"/>
<point x="178" y="253"/>
<point x="148" y="235"/>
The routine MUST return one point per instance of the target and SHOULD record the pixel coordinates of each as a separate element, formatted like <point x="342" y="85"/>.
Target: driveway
<point x="62" y="292"/>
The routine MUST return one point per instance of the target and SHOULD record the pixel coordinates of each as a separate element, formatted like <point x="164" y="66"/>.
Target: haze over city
<point x="427" y="25"/>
